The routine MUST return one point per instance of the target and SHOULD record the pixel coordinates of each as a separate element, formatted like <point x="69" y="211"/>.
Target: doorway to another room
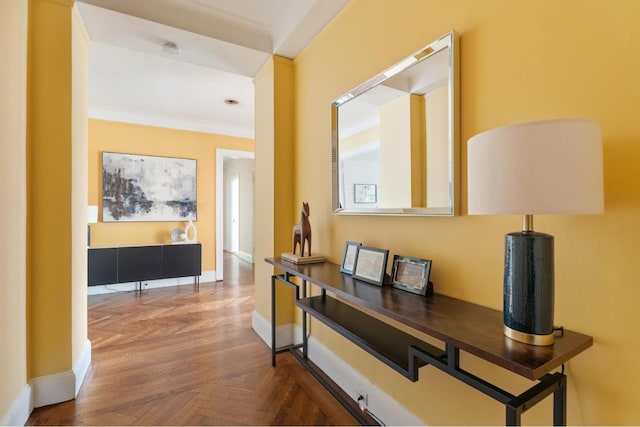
<point x="234" y="206"/>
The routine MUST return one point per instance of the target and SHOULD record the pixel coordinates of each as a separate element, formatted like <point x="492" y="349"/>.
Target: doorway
<point x="234" y="206"/>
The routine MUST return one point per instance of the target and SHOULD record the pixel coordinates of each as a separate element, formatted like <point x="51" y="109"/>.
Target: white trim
<point x="390" y="411"/>
<point x="63" y="386"/>
<point x="166" y="121"/>
<point x="221" y="153"/>
<point x="82" y="365"/>
<point x="80" y="27"/>
<point x="244" y="256"/>
<point x="206" y="276"/>
<point x="284" y="333"/>
<point x="55" y="388"/>
<point x="348" y="379"/>
<point x="19" y="410"/>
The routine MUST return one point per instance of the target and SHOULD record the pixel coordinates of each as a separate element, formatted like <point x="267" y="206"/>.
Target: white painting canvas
<point x="148" y="188"/>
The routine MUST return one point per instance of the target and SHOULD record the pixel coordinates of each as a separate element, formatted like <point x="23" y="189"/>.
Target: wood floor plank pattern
<point x="176" y="356"/>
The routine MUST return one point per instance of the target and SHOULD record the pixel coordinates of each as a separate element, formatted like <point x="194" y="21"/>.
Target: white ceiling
<point x="221" y="43"/>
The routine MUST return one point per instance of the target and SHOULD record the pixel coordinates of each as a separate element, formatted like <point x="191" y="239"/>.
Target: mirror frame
<point x="448" y="41"/>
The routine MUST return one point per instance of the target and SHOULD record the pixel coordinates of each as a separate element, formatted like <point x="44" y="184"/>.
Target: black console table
<point x="108" y="265"/>
<point x="458" y="324"/>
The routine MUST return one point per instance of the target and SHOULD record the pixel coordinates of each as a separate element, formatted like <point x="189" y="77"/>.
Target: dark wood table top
<point x="473" y="328"/>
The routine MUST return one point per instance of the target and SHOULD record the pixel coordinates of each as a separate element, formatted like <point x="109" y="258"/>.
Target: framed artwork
<point x="411" y="274"/>
<point x="148" y="188"/>
<point x="349" y="257"/>
<point x="365" y="193"/>
<point x="371" y="265"/>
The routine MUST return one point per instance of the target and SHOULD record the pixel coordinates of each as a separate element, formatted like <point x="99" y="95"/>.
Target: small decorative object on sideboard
<point x="411" y="275"/>
<point x="301" y="235"/>
<point x="349" y="257"/>
<point x="190" y="233"/>
<point x="177" y="235"/>
<point x="371" y="265"/>
<point x="302" y="231"/>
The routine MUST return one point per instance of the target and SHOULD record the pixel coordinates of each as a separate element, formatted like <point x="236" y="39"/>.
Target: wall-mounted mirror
<point x="395" y="138"/>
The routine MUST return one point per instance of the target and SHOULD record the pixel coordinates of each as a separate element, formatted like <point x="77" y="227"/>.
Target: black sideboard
<point x="109" y="265"/>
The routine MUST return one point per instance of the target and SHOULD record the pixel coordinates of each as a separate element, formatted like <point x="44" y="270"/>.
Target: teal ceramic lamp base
<point x="529" y="287"/>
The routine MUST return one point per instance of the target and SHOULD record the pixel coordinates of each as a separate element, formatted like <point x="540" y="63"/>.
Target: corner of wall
<point x="61" y="386"/>
<point x="81" y="366"/>
<point x="20" y="409"/>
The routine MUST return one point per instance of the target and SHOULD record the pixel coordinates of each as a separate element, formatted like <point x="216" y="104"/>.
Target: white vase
<point x="191" y="233"/>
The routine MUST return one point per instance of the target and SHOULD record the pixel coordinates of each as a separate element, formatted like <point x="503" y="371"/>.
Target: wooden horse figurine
<point x="302" y="231"/>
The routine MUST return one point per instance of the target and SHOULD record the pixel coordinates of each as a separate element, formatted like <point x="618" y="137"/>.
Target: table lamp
<point x="92" y="218"/>
<point x="544" y="167"/>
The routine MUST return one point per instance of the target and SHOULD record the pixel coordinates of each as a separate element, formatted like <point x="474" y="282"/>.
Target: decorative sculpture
<point x="190" y="233"/>
<point x="302" y="231"/>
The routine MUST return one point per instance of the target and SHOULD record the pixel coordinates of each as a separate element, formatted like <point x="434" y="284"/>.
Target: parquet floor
<point x="175" y="356"/>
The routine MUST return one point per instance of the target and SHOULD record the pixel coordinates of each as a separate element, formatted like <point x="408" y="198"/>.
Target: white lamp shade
<point x="92" y="214"/>
<point x="544" y="167"/>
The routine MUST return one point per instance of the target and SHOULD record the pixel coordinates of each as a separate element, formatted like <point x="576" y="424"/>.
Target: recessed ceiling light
<point x="171" y="48"/>
<point x="231" y="101"/>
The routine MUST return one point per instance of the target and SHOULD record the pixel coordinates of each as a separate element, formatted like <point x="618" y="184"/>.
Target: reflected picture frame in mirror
<point x="399" y="132"/>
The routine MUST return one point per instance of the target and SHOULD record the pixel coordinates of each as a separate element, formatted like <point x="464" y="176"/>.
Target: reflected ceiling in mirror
<point x="395" y="138"/>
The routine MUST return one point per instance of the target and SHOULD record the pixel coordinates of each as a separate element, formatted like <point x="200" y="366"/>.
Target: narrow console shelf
<point x="458" y="324"/>
<point x="386" y="343"/>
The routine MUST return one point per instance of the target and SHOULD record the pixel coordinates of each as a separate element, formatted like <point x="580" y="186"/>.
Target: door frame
<point x="221" y="153"/>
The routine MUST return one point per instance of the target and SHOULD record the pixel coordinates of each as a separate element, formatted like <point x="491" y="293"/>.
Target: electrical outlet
<point x="362" y="398"/>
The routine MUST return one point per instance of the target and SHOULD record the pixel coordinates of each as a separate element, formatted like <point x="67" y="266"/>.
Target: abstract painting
<point x="147" y="188"/>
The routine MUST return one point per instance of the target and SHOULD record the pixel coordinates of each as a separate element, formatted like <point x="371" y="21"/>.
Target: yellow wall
<point x="146" y="140"/>
<point x="13" y="121"/>
<point x="520" y="61"/>
<point x="49" y="171"/>
<point x="274" y="171"/>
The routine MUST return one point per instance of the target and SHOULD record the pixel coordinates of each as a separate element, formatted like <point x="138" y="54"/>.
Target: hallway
<point x="176" y="356"/>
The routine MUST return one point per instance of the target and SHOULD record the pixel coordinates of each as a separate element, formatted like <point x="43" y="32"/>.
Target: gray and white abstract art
<point x="148" y="188"/>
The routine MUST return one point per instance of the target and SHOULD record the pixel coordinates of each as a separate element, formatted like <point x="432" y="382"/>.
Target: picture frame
<point x="365" y="193"/>
<point x="349" y="257"/>
<point x="139" y="187"/>
<point x="411" y="274"/>
<point x="371" y="265"/>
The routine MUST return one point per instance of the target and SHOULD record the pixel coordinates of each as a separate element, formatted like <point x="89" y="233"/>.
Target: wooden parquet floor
<point x="176" y="356"/>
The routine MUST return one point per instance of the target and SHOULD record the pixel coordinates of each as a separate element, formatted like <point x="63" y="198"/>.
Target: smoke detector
<point x="171" y="48"/>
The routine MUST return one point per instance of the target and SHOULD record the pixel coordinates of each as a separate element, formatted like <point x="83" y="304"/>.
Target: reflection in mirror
<point x="395" y="138"/>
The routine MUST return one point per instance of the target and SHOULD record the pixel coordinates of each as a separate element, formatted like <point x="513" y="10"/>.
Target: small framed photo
<point x="411" y="274"/>
<point x="365" y="193"/>
<point x="349" y="257"/>
<point x="371" y="265"/>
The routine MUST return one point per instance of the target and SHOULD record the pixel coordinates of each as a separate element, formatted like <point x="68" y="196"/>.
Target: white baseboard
<point x="245" y="256"/>
<point x="20" y="409"/>
<point x="351" y="381"/>
<point x="63" y="386"/>
<point x="55" y="388"/>
<point x="82" y="365"/>
<point x="206" y="276"/>
<point x="284" y="333"/>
